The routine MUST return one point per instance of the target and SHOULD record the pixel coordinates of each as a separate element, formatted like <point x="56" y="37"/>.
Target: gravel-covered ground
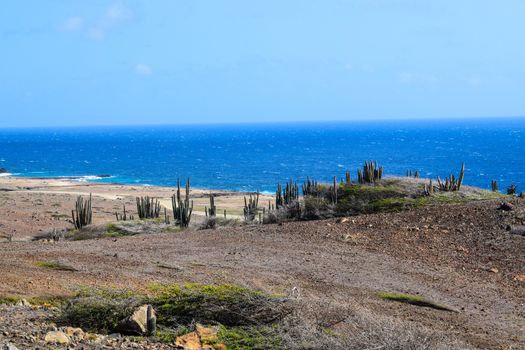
<point x="462" y="256"/>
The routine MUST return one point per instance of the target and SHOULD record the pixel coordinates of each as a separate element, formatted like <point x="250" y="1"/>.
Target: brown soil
<point x="461" y="256"/>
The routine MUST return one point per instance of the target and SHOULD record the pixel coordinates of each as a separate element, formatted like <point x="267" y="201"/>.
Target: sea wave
<point x="6" y="174"/>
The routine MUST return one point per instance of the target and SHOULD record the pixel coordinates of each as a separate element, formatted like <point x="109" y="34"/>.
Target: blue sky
<point x="190" y="61"/>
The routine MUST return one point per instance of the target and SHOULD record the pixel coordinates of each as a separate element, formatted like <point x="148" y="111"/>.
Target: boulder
<point x="203" y="338"/>
<point x="56" y="337"/>
<point x="142" y="322"/>
<point x="74" y="332"/>
<point x="190" y="341"/>
<point x="517" y="230"/>
<point x="3" y="170"/>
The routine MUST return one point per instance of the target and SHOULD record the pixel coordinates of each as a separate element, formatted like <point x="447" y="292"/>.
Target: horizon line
<point x="278" y="122"/>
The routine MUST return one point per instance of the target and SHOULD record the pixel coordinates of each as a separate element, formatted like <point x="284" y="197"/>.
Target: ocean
<point x="250" y="157"/>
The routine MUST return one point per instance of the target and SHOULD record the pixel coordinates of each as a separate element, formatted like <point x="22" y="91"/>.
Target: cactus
<point x="310" y="188"/>
<point x="410" y="173"/>
<point x="212" y="210"/>
<point x="250" y="207"/>
<point x="287" y="195"/>
<point x="494" y="186"/>
<point x="124" y="216"/>
<point x="82" y="214"/>
<point x="348" y="178"/>
<point x="371" y="172"/>
<point x="512" y="189"/>
<point x="148" y="208"/>
<point x="166" y="217"/>
<point x="333" y="192"/>
<point x="182" y="209"/>
<point x="451" y="183"/>
<point x="429" y="189"/>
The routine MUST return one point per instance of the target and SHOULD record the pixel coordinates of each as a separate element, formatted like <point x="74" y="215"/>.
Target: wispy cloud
<point x="114" y="16"/>
<point x="73" y="24"/>
<point x="143" y="69"/>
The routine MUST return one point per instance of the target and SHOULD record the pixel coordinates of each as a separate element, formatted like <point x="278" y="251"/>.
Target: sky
<point x="112" y="62"/>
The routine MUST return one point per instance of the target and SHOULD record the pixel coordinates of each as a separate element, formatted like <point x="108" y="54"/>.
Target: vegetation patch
<point x="413" y="300"/>
<point x="55" y="265"/>
<point x="224" y="304"/>
<point x="246" y="317"/>
<point x="252" y="337"/>
<point x="43" y="301"/>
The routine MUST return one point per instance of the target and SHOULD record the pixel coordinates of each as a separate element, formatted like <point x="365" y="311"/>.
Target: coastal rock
<point x="142" y="322"/>
<point x="3" y="170"/>
<point x="57" y="337"/>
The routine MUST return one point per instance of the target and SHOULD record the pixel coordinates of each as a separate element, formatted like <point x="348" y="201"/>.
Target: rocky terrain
<point x="345" y="275"/>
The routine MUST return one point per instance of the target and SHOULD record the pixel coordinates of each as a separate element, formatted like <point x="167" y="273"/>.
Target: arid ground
<point x="461" y="256"/>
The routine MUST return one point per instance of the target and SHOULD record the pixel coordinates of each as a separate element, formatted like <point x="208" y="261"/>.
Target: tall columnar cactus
<point x="348" y="178"/>
<point x="82" y="214"/>
<point x="310" y="188"/>
<point x="411" y="173"/>
<point x="371" y="172"/>
<point x="212" y="210"/>
<point x="287" y="195"/>
<point x="124" y="216"/>
<point x="494" y="186"/>
<point x="182" y="209"/>
<point x="334" y="191"/>
<point x="450" y="183"/>
<point x="429" y="189"/>
<point x="250" y="207"/>
<point x="148" y="208"/>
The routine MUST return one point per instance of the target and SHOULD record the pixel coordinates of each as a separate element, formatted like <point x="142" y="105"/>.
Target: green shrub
<point x="225" y="304"/>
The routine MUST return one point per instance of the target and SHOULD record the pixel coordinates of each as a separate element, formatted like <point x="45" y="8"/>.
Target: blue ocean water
<point x="256" y="157"/>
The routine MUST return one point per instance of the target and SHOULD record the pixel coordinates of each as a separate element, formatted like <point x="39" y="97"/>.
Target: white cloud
<point x="114" y="16"/>
<point x="143" y="69"/>
<point x="73" y="24"/>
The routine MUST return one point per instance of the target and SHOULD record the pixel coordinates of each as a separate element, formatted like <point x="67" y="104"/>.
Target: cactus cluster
<point x="429" y="189"/>
<point x="512" y="189"/>
<point x="82" y="214"/>
<point x="287" y="195"/>
<point x="124" y="216"/>
<point x="411" y="173"/>
<point x="311" y="188"/>
<point x="348" y="178"/>
<point x="250" y="207"/>
<point x="451" y="183"/>
<point x="182" y="208"/>
<point x="148" y="208"/>
<point x="371" y="172"/>
<point x="212" y="210"/>
<point x="333" y="191"/>
<point x="494" y="186"/>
